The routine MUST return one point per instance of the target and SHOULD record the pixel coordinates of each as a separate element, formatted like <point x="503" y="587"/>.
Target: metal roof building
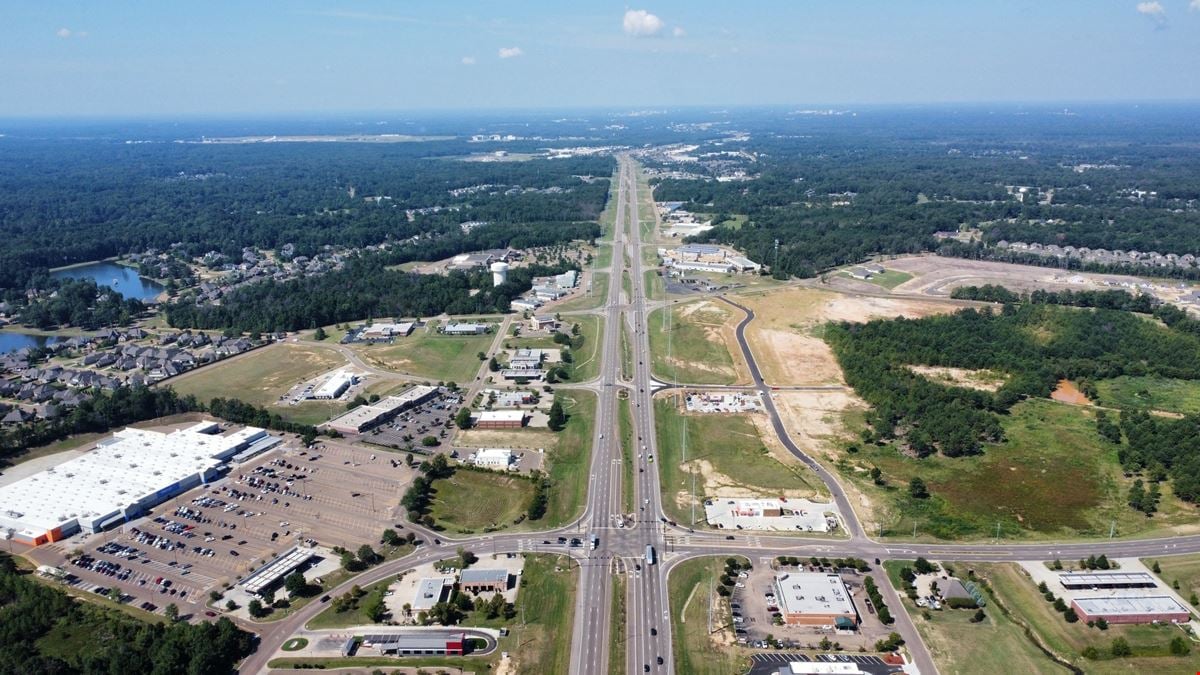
<point x="367" y="416"/>
<point x="483" y="580"/>
<point x="417" y="642"/>
<point x="1082" y="580"/>
<point x="268" y="574"/>
<point x="1132" y="609"/>
<point x="431" y="591"/>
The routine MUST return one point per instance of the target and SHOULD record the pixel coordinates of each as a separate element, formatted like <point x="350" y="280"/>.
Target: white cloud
<point x="63" y="32"/>
<point x="510" y="52"/>
<point x="679" y="32"/>
<point x="1194" y="5"/>
<point x="1155" y="10"/>
<point x="468" y="60"/>
<point x="640" y="23"/>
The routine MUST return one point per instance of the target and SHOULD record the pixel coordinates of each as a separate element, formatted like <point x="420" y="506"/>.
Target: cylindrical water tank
<point x="499" y="273"/>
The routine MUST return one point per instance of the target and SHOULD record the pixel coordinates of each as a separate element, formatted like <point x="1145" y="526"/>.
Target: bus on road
<point x="649" y="555"/>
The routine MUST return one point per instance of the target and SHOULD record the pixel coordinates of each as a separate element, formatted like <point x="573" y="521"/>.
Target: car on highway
<point x="660" y="660"/>
<point x="654" y="631"/>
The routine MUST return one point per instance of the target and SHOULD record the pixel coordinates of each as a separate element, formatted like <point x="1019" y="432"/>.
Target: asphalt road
<point x="622" y="549"/>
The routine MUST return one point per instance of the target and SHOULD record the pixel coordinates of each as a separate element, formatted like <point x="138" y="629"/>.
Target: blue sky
<point x="307" y="56"/>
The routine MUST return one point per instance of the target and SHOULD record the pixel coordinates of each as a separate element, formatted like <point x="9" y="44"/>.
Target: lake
<point x="120" y="278"/>
<point x="11" y="342"/>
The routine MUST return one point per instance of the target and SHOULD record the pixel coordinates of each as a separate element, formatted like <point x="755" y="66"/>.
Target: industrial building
<point x="526" y="359"/>
<point x="483" y="581"/>
<point x="500" y="419"/>
<point x="465" y="329"/>
<point x="123" y="477"/>
<point x="814" y="599"/>
<point x="335" y="386"/>
<point x="1096" y="580"/>
<point x="493" y="458"/>
<point x="431" y="591"/>
<point x="386" y="331"/>
<point x="706" y="258"/>
<point x="1132" y="609"/>
<point x="432" y="643"/>
<point x="366" y="417"/>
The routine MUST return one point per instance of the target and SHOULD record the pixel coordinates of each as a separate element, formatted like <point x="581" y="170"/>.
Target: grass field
<point x="697" y="650"/>
<point x="625" y="421"/>
<point x="691" y="344"/>
<point x="626" y="284"/>
<point x="1150" y="393"/>
<point x="444" y="358"/>
<point x="1018" y="484"/>
<point x="602" y="258"/>
<point x="471" y="501"/>
<point x="616" y="642"/>
<point x="654" y="284"/>
<point x="889" y="279"/>
<point x="726" y="453"/>
<point x="259" y="377"/>
<point x="1149" y="643"/>
<point x="1184" y="569"/>
<point x="596" y="299"/>
<point x="959" y="647"/>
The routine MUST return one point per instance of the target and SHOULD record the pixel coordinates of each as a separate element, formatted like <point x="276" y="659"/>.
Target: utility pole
<point x="1112" y="529"/>
<point x="997" y="529"/>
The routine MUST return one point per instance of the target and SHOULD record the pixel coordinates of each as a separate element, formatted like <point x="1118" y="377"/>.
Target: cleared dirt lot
<point x="214" y="534"/>
<point x="786" y="332"/>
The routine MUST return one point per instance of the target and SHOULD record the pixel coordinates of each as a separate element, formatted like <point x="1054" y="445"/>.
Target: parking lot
<point x="434" y="417"/>
<point x="769" y="664"/>
<point x="209" y="537"/>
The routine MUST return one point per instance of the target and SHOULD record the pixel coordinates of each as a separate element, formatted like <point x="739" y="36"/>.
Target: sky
<point x="119" y="58"/>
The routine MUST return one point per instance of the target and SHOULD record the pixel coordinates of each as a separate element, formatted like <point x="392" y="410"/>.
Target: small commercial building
<point x="366" y="417"/>
<point x="386" y="331"/>
<point x="494" y="458"/>
<point x="465" y="329"/>
<point x="335" y="386"/>
<point x="418" y="643"/>
<point x="483" y="581"/>
<point x="431" y="591"/>
<point x="1132" y="609"/>
<point x="522" y="374"/>
<point x="814" y="599"/>
<point x="1096" y="580"/>
<point x="510" y="399"/>
<point x="543" y="322"/>
<point x="267" y="575"/>
<point x="500" y="419"/>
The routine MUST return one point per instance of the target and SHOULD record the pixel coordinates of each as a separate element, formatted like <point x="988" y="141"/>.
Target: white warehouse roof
<point x="123" y="470"/>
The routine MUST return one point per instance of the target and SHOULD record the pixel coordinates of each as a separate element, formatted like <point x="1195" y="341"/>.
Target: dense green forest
<point x="1142" y="303"/>
<point x="365" y="288"/>
<point x="79" y="303"/>
<point x="64" y="202"/>
<point x="1033" y="345"/>
<point x="43" y="630"/>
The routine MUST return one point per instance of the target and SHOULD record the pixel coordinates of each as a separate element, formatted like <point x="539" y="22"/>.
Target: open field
<point x="958" y="647"/>
<point x="471" y="501"/>
<point x="1184" y="569"/>
<point x="261" y="376"/>
<point x="697" y="649"/>
<point x="786" y="332"/>
<point x="696" y="344"/>
<point x="445" y="358"/>
<point x="1020" y="595"/>
<point x="602" y="257"/>
<point x="889" y="279"/>
<point x="596" y="299"/>
<point x="727" y="455"/>
<point x="654" y="285"/>
<point x="1150" y="393"/>
<point x="567" y="455"/>
<point x="1018" y="485"/>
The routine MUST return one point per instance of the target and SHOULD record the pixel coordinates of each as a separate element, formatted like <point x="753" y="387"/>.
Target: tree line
<point x="1142" y="303"/>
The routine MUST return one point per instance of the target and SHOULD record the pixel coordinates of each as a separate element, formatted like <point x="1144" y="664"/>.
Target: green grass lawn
<point x="602" y="258"/>
<point x="732" y="447"/>
<point x="696" y="649"/>
<point x="1019" y="594"/>
<point x="654" y="284"/>
<point x="1151" y="393"/>
<point x="1184" y="569"/>
<point x="447" y="358"/>
<point x="889" y="279"/>
<point x="626" y="284"/>
<point x="596" y="299"/>
<point x="958" y="647"/>
<point x="472" y="501"/>
<point x="1018" y="484"/>
<point x="261" y="376"/>
<point x="690" y="345"/>
<point x="331" y="618"/>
